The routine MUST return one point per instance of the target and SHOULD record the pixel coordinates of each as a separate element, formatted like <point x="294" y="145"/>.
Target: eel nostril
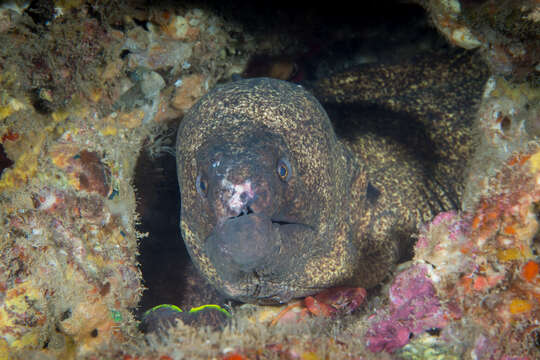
<point x="243" y="197"/>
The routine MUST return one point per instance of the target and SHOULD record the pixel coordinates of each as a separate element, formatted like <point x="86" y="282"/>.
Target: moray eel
<point x="275" y="205"/>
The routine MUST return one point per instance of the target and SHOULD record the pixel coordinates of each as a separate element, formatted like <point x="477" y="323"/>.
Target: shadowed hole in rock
<point x="5" y="162"/>
<point x="168" y="273"/>
<point x="506" y="124"/>
<point x="163" y="256"/>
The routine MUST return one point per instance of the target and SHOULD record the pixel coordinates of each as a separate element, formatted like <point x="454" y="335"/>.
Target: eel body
<point x="279" y="203"/>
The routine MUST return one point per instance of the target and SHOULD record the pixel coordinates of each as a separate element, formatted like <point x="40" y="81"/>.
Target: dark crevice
<point x="141" y="23"/>
<point x="124" y="54"/>
<point x="163" y="256"/>
<point x="5" y="162"/>
<point x="168" y="273"/>
<point x="41" y="11"/>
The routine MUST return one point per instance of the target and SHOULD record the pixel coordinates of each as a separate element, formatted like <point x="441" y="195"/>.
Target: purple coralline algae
<point x="414" y="308"/>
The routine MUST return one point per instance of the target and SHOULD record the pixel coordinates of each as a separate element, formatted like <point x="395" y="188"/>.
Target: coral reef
<point x="508" y="119"/>
<point x="81" y="88"/>
<point x="506" y="32"/>
<point x="84" y="86"/>
<point x="414" y="308"/>
<point x="475" y="279"/>
<point x="486" y="260"/>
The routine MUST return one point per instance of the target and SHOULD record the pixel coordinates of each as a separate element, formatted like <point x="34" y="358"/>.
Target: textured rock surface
<point x="74" y="112"/>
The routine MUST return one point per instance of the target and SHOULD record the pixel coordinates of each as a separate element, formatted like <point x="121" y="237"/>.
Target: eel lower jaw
<point x="269" y="293"/>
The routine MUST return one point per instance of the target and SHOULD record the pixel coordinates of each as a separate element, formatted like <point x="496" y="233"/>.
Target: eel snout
<point x="244" y="191"/>
<point x="246" y="242"/>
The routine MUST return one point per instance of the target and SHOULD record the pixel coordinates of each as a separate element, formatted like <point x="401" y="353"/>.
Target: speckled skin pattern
<point x="275" y="206"/>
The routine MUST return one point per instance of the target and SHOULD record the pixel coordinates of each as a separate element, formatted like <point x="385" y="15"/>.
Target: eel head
<point x="263" y="183"/>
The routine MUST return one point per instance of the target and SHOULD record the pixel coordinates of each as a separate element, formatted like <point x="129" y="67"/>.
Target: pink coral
<point x="484" y="261"/>
<point x="414" y="308"/>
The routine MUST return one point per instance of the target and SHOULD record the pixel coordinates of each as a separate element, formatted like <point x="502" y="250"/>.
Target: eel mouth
<point x="253" y="255"/>
<point x="285" y="222"/>
<point x="274" y="219"/>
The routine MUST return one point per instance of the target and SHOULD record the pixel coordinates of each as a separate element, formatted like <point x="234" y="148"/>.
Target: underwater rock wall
<point x="504" y="31"/>
<point x="506" y="34"/>
<point x="484" y="261"/>
<point x="84" y="86"/>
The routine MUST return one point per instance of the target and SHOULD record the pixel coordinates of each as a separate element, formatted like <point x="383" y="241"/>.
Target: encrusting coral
<point x="74" y="113"/>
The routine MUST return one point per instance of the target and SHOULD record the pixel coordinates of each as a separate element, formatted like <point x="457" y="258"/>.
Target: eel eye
<point x="202" y="185"/>
<point x="284" y="169"/>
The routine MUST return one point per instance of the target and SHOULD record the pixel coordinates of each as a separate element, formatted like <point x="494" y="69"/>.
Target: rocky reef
<point x="86" y="86"/>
